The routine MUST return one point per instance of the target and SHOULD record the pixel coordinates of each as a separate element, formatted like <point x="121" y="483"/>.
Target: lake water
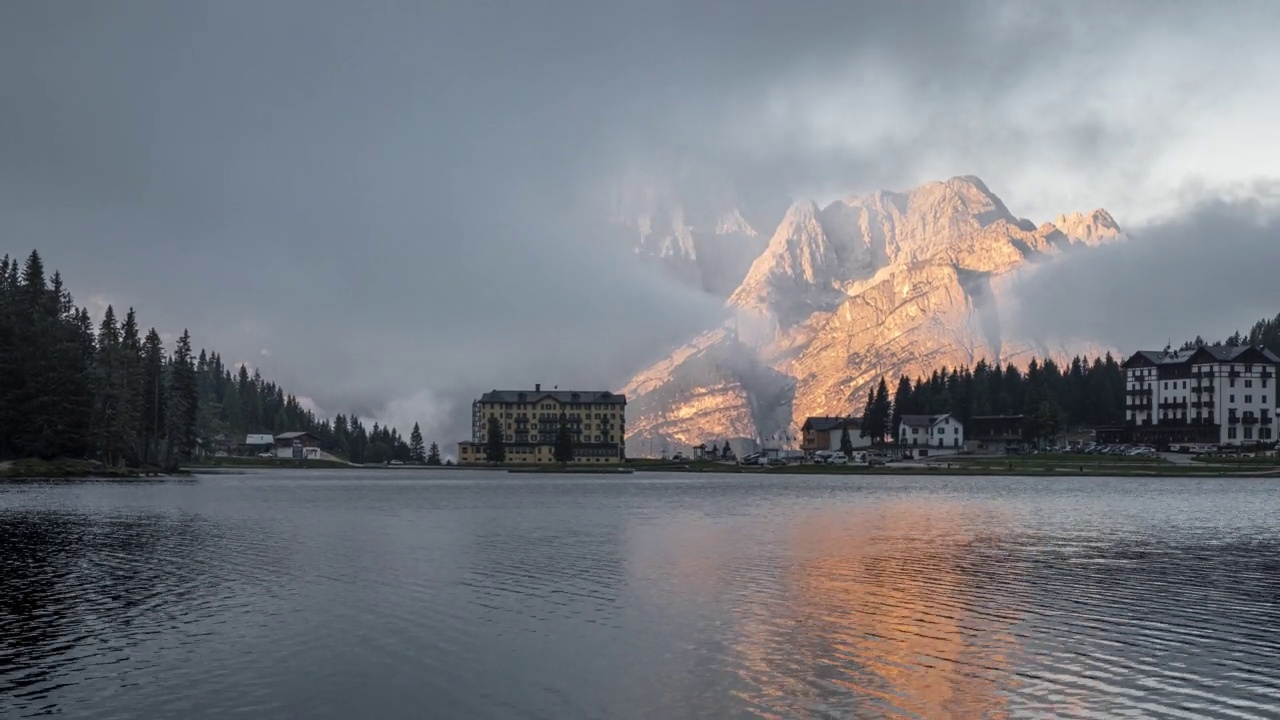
<point x="486" y="595"/>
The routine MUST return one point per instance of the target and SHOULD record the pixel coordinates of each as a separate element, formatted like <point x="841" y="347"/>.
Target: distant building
<point x="1222" y="395"/>
<point x="995" y="433"/>
<point x="530" y="420"/>
<point x="933" y="431"/>
<point x="297" y="445"/>
<point x="822" y="433"/>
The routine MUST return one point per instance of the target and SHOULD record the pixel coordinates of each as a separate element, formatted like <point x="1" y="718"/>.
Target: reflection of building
<point x="530" y="419"/>
<point x="935" y="431"/>
<point x="1220" y="395"/>
<point x="823" y="433"/>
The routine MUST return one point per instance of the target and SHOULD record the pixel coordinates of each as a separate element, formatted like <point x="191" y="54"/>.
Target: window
<point x="1248" y="398"/>
<point x="1184" y="384"/>
<point x="1232" y="381"/>
<point x="1264" y="399"/>
<point x="1232" y="398"/>
<point x="1248" y="433"/>
<point x="1231" y="433"/>
<point x="1248" y="383"/>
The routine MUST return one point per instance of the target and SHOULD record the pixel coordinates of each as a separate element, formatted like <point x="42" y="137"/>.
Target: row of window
<point x="1264" y="433"/>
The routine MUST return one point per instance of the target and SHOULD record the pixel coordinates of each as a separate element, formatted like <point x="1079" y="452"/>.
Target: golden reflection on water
<point x="873" y="612"/>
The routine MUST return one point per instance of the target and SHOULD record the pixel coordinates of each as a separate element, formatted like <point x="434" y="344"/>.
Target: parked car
<point x="837" y="458"/>
<point x="775" y="462"/>
<point x="266" y="454"/>
<point x="395" y="462"/>
<point x="752" y="459"/>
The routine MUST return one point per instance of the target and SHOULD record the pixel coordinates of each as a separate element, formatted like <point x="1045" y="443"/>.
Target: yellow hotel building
<point x="530" y="420"/>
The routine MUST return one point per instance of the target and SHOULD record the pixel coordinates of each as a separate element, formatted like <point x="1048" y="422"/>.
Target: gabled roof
<point x="294" y="436"/>
<point x="1206" y="354"/>
<point x="923" y="420"/>
<point x="826" y="423"/>
<point x="566" y="397"/>
<point x="259" y="439"/>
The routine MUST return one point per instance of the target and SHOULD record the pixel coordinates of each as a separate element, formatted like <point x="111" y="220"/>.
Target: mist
<point x="388" y="208"/>
<point x="1208" y="271"/>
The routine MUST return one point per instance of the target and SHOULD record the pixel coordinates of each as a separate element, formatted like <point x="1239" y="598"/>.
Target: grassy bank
<point x="38" y="469"/>
<point x="254" y="462"/>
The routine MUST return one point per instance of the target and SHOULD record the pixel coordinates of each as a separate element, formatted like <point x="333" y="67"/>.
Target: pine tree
<point x="154" y="397"/>
<point x="868" y="415"/>
<point x="183" y="404"/>
<point x="494" y="450"/>
<point x="846" y="442"/>
<point x="563" y="449"/>
<point x="901" y="406"/>
<point x="881" y="411"/>
<point x="417" y="453"/>
<point x="433" y="455"/>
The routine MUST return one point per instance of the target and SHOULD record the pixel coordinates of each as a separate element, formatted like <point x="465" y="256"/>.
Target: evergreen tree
<point x="417" y="453"/>
<point x="433" y="455"/>
<point x="901" y="406"/>
<point x="846" y="442"/>
<point x="881" y="411"/>
<point x="183" y="399"/>
<point x="868" y="416"/>
<point x="563" y="449"/>
<point x="494" y="450"/>
<point x="154" y="397"/>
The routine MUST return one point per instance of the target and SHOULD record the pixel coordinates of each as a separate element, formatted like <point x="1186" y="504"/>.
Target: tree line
<point x="1051" y="397"/>
<point x="111" y="393"/>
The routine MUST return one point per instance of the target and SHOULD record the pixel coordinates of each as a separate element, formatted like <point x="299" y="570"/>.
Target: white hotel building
<point x="1221" y="395"/>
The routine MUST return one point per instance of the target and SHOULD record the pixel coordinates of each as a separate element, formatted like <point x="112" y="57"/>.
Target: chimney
<point x="537" y="387"/>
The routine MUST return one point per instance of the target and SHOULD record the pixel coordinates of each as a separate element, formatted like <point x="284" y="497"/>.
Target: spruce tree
<point x="846" y="442"/>
<point x="563" y="450"/>
<point x="495" y="451"/>
<point x="901" y="406"/>
<point x="881" y="410"/>
<point x="868" y="415"/>
<point x="183" y="401"/>
<point x="433" y="455"/>
<point x="417" y="452"/>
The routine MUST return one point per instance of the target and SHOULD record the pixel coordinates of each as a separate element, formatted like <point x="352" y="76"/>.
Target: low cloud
<point x="1208" y="271"/>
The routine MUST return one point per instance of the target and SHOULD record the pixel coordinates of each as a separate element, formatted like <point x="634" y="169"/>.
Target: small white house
<point x="942" y="432"/>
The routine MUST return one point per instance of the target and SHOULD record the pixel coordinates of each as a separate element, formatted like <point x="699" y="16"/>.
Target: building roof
<point x="294" y="436"/>
<point x="922" y="420"/>
<point x="567" y="397"/>
<point x="259" y="439"/>
<point x="1208" y="353"/>
<point x="826" y="423"/>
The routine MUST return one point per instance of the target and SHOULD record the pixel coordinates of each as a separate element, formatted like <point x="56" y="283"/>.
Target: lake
<point x="477" y="594"/>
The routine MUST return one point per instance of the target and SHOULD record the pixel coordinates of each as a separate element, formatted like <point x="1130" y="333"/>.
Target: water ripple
<point x="476" y="595"/>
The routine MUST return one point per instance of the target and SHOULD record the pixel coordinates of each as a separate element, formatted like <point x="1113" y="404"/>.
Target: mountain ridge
<point x="872" y="285"/>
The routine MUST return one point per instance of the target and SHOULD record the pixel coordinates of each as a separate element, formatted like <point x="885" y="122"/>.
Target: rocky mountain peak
<point x="879" y="284"/>
<point x="1092" y="229"/>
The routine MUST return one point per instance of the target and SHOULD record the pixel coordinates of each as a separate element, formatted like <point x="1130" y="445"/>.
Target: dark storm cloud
<point x="1208" y="272"/>
<point x="397" y="200"/>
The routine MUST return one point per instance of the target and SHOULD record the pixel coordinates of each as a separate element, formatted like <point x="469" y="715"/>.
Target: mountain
<point x="693" y="225"/>
<point x="873" y="285"/>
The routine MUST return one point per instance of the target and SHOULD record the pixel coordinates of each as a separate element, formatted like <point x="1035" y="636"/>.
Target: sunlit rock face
<point x="873" y="285"/>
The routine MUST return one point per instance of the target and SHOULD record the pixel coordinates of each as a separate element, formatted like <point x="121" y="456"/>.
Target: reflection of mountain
<point x="882" y="284"/>
<point x="898" y="628"/>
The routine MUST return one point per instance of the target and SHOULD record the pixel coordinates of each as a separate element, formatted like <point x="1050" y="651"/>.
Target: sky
<point x="390" y="206"/>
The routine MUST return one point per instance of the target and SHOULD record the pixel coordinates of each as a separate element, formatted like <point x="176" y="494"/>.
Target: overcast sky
<point x="388" y="205"/>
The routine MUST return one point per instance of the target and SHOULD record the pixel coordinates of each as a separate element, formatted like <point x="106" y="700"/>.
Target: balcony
<point x="1171" y="404"/>
<point x="1233" y="373"/>
<point x="1139" y="392"/>
<point x="1250" y="419"/>
<point x="1267" y="420"/>
<point x="1233" y="419"/>
<point x="1266" y="374"/>
<point x="1204" y="388"/>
